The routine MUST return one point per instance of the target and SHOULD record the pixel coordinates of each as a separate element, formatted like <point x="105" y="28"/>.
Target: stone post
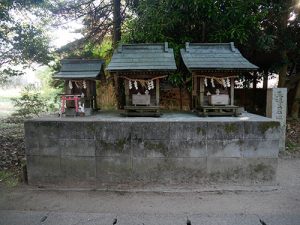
<point x="277" y="109"/>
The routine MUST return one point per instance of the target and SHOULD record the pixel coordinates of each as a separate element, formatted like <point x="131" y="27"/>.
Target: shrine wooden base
<point x="148" y="111"/>
<point x="220" y="110"/>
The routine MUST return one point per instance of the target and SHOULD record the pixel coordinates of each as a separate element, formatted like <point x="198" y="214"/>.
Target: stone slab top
<point x="108" y="116"/>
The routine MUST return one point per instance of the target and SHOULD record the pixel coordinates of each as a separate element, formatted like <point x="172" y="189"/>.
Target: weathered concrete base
<point x="72" y="112"/>
<point x="101" y="151"/>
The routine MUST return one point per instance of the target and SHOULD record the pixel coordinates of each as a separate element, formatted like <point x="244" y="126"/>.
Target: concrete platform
<point x="107" y="150"/>
<point x="165" y="117"/>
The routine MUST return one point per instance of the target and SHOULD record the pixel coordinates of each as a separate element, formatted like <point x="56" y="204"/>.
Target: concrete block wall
<point x="100" y="153"/>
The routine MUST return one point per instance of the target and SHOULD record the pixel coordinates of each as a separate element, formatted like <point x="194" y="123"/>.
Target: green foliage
<point x="103" y="50"/>
<point x="8" y="178"/>
<point x="30" y="104"/>
<point x="21" y="41"/>
<point x="178" y="21"/>
<point x="50" y="89"/>
<point x="176" y="79"/>
<point x="34" y="101"/>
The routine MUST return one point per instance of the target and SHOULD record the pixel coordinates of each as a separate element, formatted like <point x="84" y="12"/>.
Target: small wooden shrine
<point x="142" y="66"/>
<point x="80" y="77"/>
<point x="214" y="66"/>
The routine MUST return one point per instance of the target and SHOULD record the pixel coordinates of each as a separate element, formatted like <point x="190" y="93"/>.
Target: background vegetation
<point x="266" y="31"/>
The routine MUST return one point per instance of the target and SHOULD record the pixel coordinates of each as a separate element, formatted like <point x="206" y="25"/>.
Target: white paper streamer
<point x="84" y="84"/>
<point x="228" y="82"/>
<point x="136" y="85"/>
<point x="205" y="81"/>
<point x="70" y="84"/>
<point x="224" y="83"/>
<point x="212" y="82"/>
<point x="150" y="85"/>
<point x="130" y="85"/>
<point x="81" y="107"/>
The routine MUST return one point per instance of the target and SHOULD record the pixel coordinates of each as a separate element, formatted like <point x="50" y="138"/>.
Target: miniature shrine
<point x="141" y="66"/>
<point x="80" y="75"/>
<point x="214" y="66"/>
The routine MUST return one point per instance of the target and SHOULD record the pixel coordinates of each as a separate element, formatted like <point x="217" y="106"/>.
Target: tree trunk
<point x="116" y="38"/>
<point x="283" y="70"/>
<point x="296" y="103"/>
<point x="116" y="22"/>
<point x="283" y="52"/>
<point x="265" y="81"/>
<point x="255" y="80"/>
<point x="203" y="31"/>
<point x="180" y="97"/>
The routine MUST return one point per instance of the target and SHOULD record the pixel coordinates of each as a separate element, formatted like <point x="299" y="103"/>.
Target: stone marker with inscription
<point x="277" y="109"/>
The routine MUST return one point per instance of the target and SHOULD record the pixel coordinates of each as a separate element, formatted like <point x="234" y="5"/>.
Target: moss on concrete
<point x="241" y="142"/>
<point x="259" y="168"/>
<point x="90" y="127"/>
<point x="263" y="127"/>
<point x="158" y="147"/>
<point x="118" y="145"/>
<point x="230" y="128"/>
<point x="201" y="131"/>
<point x="233" y="174"/>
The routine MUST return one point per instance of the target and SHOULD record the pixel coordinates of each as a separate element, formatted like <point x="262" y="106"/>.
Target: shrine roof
<point x="214" y="56"/>
<point x="143" y="57"/>
<point x="80" y="69"/>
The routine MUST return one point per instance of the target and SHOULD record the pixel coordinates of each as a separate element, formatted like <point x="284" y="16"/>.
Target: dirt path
<point x="221" y="205"/>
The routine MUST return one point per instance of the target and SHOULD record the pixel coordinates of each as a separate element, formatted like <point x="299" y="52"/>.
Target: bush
<point x="30" y="104"/>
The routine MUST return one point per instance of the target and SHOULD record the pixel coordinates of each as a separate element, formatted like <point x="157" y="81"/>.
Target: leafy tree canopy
<point x="22" y="42"/>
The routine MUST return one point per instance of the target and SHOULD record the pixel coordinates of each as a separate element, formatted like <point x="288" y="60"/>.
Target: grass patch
<point x="8" y="178"/>
<point x="292" y="147"/>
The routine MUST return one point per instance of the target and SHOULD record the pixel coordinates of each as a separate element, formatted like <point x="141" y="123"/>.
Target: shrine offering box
<point x="141" y="99"/>
<point x="222" y="99"/>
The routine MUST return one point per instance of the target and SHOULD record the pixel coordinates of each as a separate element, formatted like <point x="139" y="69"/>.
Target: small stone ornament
<point x="217" y="91"/>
